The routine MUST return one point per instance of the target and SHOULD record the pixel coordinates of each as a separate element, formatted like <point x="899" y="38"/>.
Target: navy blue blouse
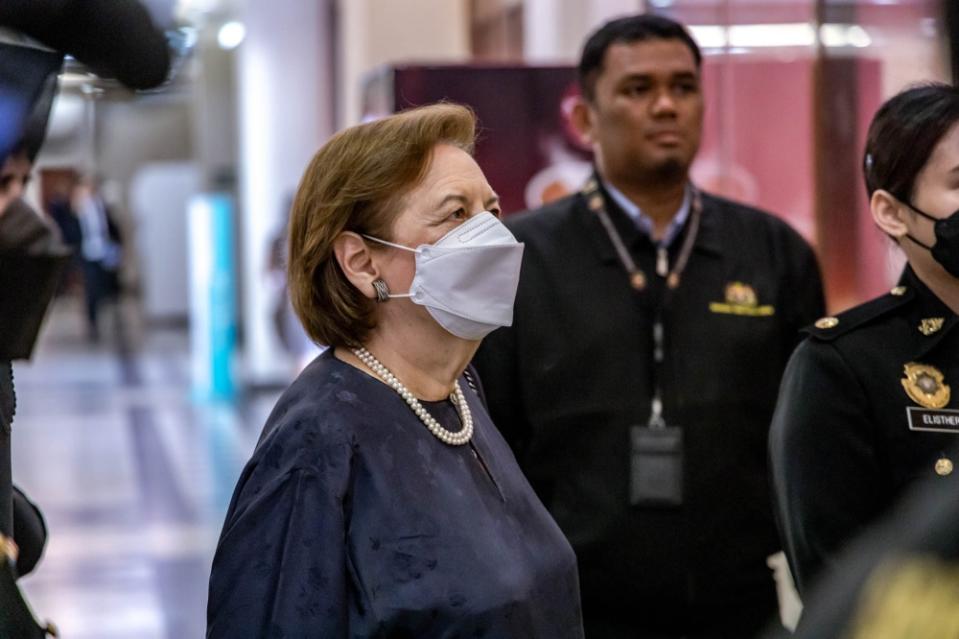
<point x="353" y="520"/>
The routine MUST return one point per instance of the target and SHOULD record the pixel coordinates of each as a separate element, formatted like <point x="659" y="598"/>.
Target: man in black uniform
<point x="869" y="401"/>
<point x="651" y="328"/>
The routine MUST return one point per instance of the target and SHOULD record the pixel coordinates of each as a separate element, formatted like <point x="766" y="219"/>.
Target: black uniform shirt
<point x="847" y="435"/>
<point x="571" y="376"/>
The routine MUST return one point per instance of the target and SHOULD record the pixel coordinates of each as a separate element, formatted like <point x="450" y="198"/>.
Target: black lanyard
<point x="637" y="279"/>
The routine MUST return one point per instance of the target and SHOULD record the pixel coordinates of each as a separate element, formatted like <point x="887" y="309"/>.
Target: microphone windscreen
<point x="114" y="38"/>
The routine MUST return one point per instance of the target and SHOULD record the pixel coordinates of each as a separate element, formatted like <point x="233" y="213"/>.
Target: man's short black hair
<point x="904" y="133"/>
<point x="627" y="30"/>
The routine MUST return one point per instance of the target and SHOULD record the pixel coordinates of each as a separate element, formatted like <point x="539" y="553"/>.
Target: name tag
<point x="656" y="477"/>
<point x="936" y="421"/>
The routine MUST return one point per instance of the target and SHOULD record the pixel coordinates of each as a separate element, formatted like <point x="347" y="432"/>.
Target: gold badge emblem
<point x="827" y="322"/>
<point x="931" y="325"/>
<point x="898" y="291"/>
<point x="925" y="385"/>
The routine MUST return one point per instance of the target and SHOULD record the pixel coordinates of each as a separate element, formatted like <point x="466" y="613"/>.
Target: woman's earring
<point x="382" y="290"/>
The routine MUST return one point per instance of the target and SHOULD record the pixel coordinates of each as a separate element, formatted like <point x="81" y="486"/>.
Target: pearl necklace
<point x="445" y="436"/>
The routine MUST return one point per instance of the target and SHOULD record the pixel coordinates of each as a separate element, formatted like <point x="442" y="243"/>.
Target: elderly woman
<point x="381" y="501"/>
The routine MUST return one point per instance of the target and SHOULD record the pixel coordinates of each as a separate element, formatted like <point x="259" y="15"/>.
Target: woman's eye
<point x="459" y="214"/>
<point x="496" y="212"/>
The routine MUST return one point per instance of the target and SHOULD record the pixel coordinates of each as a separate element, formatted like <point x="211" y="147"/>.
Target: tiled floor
<point x="133" y="478"/>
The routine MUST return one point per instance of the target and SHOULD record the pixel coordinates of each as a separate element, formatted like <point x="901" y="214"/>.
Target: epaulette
<point x="830" y="327"/>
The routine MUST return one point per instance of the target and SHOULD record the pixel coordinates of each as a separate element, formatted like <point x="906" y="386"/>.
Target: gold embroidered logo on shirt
<point x="925" y="385"/>
<point x="741" y="299"/>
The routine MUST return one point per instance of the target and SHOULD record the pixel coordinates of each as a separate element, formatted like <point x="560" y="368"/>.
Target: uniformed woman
<point x="866" y="405"/>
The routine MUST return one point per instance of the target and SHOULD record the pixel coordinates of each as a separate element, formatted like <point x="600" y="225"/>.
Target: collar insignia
<point x="931" y="325"/>
<point x="925" y="385"/>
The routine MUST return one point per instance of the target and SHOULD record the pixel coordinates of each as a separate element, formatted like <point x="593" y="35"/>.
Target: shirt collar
<point x="645" y="223"/>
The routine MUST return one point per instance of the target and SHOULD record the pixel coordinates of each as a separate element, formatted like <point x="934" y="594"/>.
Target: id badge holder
<point x="656" y="473"/>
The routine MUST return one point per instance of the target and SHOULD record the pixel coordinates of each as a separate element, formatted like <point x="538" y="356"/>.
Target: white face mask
<point x="467" y="280"/>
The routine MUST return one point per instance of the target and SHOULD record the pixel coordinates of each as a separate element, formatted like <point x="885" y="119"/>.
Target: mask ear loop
<point x="925" y="215"/>
<point x="379" y="241"/>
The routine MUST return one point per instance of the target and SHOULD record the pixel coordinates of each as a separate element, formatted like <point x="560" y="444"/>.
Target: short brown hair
<point x="357" y="182"/>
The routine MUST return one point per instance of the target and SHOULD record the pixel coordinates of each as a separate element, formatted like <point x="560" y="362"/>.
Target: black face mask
<point x="946" y="249"/>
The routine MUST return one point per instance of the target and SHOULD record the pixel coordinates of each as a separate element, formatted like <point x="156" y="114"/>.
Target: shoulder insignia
<point x="829" y="328"/>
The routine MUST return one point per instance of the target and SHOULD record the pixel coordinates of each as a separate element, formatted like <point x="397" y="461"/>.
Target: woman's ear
<point x="355" y="258"/>
<point x="888" y="213"/>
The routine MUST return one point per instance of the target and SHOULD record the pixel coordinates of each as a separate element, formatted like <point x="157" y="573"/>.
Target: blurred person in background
<point x="61" y="212"/>
<point x="866" y="406"/>
<point x="637" y="383"/>
<point x="101" y="247"/>
<point x="381" y="500"/>
<point x="116" y="38"/>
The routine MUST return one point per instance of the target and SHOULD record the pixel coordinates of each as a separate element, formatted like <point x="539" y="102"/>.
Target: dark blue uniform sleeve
<point x="822" y="459"/>
<point x="280" y="567"/>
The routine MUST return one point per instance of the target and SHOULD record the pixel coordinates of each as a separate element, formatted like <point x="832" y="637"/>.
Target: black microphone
<point x="114" y="38"/>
